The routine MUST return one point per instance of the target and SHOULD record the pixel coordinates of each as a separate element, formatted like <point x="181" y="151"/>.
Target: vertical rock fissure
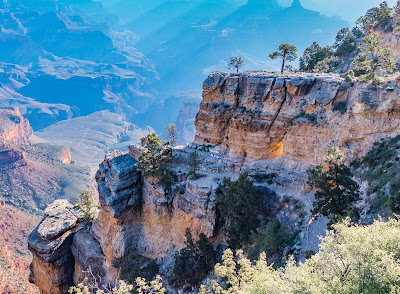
<point x="234" y="108"/>
<point x="270" y="90"/>
<point x="279" y="109"/>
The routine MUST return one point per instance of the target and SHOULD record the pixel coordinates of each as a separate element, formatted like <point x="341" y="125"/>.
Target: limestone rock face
<point x="262" y="115"/>
<point x="14" y="127"/>
<point x="136" y="213"/>
<point x="52" y="266"/>
<point x="66" y="155"/>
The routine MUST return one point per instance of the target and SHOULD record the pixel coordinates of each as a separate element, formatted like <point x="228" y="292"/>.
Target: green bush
<point x="88" y="206"/>
<point x="167" y="179"/>
<point x="309" y="253"/>
<point x="351" y="260"/>
<point x="271" y="237"/>
<point x="135" y="265"/>
<point x="350" y="77"/>
<point x="194" y="262"/>
<point x="238" y="202"/>
<point x="340" y="106"/>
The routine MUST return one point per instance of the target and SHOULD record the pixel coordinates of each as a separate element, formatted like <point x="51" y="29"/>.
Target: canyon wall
<point x="295" y="118"/>
<point x="270" y="125"/>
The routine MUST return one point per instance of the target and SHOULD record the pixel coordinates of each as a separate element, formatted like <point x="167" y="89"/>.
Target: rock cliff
<point x="13" y="126"/>
<point x="295" y="118"/>
<point x="269" y="125"/>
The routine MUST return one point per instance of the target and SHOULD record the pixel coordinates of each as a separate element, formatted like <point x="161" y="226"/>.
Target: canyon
<point x="271" y="126"/>
<point x="33" y="174"/>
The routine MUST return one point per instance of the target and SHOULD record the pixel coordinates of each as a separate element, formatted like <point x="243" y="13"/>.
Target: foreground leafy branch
<point x="352" y="260"/>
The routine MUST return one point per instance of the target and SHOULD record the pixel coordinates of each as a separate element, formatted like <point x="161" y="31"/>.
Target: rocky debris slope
<point x="15" y="226"/>
<point x="33" y="172"/>
<point x="90" y="137"/>
<point x="269" y="125"/>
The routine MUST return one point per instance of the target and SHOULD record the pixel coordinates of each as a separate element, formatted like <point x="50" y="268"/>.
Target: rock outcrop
<point x="10" y="156"/>
<point x="14" y="127"/>
<point x="269" y="125"/>
<point x="296" y="118"/>
<point x="52" y="266"/>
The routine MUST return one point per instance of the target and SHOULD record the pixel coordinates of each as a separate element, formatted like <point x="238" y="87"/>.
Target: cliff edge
<point x="272" y="126"/>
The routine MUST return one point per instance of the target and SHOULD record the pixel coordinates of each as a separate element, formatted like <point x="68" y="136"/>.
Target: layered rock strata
<point x="269" y="125"/>
<point x="52" y="266"/>
<point x="296" y="118"/>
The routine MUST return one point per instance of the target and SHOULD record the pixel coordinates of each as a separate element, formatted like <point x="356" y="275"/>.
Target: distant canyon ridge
<point x="70" y="59"/>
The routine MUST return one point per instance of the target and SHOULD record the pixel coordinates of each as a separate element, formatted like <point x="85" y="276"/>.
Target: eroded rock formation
<point x="52" y="266"/>
<point x="13" y="126"/>
<point x="268" y="125"/>
<point x="296" y="118"/>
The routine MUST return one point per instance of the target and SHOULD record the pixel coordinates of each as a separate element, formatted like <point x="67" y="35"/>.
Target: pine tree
<point x="238" y="203"/>
<point x="236" y="63"/>
<point x="336" y="191"/>
<point x="374" y="57"/>
<point x="172" y="131"/>
<point x="287" y="52"/>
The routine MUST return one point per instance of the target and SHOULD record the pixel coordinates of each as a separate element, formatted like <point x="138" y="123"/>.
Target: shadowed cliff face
<point x="268" y="125"/>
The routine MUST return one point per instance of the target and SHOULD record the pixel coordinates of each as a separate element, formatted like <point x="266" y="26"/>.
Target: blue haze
<point x="66" y="58"/>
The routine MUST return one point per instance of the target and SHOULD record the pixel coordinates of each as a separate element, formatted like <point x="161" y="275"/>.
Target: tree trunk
<point x="283" y="64"/>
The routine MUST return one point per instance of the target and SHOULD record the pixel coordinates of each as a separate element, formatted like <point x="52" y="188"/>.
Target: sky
<point x="349" y="10"/>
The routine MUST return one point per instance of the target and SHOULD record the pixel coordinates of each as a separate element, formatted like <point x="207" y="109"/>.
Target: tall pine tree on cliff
<point x="287" y="52"/>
